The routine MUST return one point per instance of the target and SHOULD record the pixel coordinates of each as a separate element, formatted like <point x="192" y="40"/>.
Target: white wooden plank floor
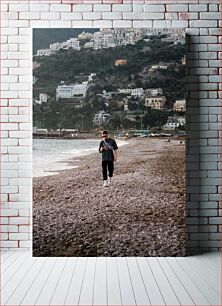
<point x="27" y="280"/>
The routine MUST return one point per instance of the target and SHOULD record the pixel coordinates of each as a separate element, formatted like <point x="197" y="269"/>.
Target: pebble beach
<point x="141" y="214"/>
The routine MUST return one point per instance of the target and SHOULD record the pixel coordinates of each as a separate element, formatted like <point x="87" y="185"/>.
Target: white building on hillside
<point x="137" y="92"/>
<point x="179" y="105"/>
<point x="157" y="102"/>
<point x="71" y="91"/>
<point x="44" y="52"/>
<point x="101" y="117"/>
<point x="152" y="92"/>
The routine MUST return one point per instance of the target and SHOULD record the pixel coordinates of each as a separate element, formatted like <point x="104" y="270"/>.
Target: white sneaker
<point x="109" y="180"/>
<point x="105" y="184"/>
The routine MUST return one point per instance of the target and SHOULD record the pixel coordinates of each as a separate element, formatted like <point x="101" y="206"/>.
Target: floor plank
<point x="86" y="294"/>
<point x="63" y="285"/>
<point x="166" y="289"/>
<point x="126" y="289"/>
<point x="188" y="283"/>
<point x="153" y="290"/>
<point x="113" y="285"/>
<point x="137" y="281"/>
<point x="16" y="297"/>
<point x="12" y="271"/>
<point x="75" y="286"/>
<point x="11" y="261"/>
<point x="180" y="291"/>
<point x="100" y="284"/>
<point x="48" y="290"/>
<point x="212" y="278"/>
<point x="5" y="255"/>
<point x="38" y="284"/>
<point x="208" y="292"/>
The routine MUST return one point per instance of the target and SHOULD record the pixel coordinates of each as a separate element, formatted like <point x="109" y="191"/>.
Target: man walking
<point x="108" y="149"/>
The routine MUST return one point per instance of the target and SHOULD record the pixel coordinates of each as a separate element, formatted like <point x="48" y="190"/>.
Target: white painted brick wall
<point x="202" y="20"/>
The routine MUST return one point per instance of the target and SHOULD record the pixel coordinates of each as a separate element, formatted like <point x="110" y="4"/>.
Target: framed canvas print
<point x="109" y="137"/>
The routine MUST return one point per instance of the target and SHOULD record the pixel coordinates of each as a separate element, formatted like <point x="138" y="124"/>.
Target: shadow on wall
<point x="193" y="170"/>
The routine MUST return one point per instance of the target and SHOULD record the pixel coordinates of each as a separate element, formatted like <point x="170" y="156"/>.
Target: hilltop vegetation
<point x="73" y="66"/>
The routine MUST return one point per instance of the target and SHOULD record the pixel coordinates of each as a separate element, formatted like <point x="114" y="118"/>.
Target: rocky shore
<point x="141" y="214"/>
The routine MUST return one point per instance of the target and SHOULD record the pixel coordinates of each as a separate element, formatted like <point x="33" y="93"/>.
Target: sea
<point x="51" y="155"/>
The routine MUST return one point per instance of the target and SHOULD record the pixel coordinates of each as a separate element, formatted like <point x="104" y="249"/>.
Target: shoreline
<point x="142" y="214"/>
<point x="67" y="162"/>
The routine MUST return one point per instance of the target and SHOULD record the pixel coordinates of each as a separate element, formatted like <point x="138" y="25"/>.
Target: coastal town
<point x="127" y="104"/>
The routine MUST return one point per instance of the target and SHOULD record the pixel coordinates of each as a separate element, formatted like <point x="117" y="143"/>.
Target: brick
<point x="207" y="55"/>
<point x="19" y="220"/>
<point x="102" y="24"/>
<point x="177" y="8"/>
<point x="24" y="229"/>
<point x="135" y="15"/>
<point x="187" y="16"/>
<point x="9" y="173"/>
<point x="154" y="8"/>
<point x="197" y="7"/>
<point x="9" y="126"/>
<point x="9" y="244"/>
<point x="215" y="31"/>
<point x="9" y="63"/>
<point x="102" y="7"/>
<point x="180" y="23"/>
<point x="9" y="212"/>
<point x="18" y="236"/>
<point x="24" y="212"/>
<point x="9" y="228"/>
<point x="213" y="15"/>
<point x="137" y="7"/>
<point x="18" y="150"/>
<point x="112" y="15"/>
<point x="122" y="23"/>
<point x="137" y="24"/>
<point x="18" y="23"/>
<point x="39" y="23"/>
<point x="83" y="8"/>
<point x="19" y="71"/>
<point x="214" y="47"/>
<point x="9" y="31"/>
<point x="21" y="7"/>
<point x="147" y="23"/>
<point x="199" y="236"/>
<point x="82" y="24"/>
<point x="19" y="118"/>
<point x="215" y="63"/>
<point x="206" y="205"/>
<point x="203" y="23"/>
<point x="92" y="15"/>
<point x="121" y="7"/>
<point x="204" y="32"/>
<point x="29" y="15"/>
<point x="19" y="102"/>
<point x="60" y="24"/>
<point x="50" y="16"/>
<point x="162" y="23"/>
<point x="38" y="7"/>
<point x="213" y="7"/>
<point x="208" y="213"/>
<point x="60" y="8"/>
<point x="25" y="244"/>
<point x="71" y="16"/>
<point x="171" y="16"/>
<point x="215" y="236"/>
<point x="3" y="220"/>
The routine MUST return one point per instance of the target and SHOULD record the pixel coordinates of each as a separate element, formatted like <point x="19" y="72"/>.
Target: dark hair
<point x="105" y="133"/>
